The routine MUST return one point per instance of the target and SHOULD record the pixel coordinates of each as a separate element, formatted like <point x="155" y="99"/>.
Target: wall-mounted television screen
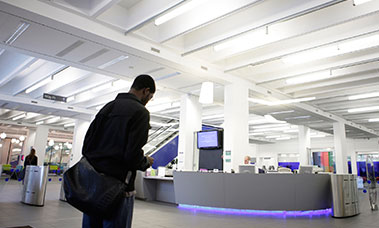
<point x="211" y="139"/>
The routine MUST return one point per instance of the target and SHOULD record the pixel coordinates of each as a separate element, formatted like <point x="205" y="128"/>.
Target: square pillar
<point x="304" y="144"/>
<point x="80" y="130"/>
<point x="236" y="125"/>
<point x="189" y="123"/>
<point x="340" y="147"/>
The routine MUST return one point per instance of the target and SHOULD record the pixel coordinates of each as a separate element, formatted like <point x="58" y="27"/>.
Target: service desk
<point x="155" y="188"/>
<point x="289" y="192"/>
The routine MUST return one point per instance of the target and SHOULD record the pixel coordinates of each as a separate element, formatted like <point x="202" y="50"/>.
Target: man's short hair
<point x="144" y="81"/>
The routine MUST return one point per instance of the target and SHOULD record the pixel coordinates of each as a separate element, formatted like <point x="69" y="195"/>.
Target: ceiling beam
<point x="310" y="40"/>
<point x="265" y="14"/>
<point x="166" y="56"/>
<point x="15" y="63"/>
<point x="21" y="123"/>
<point x="47" y="105"/>
<point x="18" y="86"/>
<point x="204" y="14"/>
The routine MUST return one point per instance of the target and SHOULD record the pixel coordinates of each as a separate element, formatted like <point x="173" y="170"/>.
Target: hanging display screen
<point x="209" y="139"/>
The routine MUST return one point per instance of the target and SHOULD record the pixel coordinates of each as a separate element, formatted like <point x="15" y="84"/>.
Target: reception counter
<point x="282" y="192"/>
<point x="154" y="188"/>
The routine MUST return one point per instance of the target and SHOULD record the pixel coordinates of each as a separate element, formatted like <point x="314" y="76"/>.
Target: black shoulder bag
<point x="91" y="192"/>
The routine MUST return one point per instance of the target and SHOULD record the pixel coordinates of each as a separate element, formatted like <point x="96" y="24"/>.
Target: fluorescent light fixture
<point x="217" y="116"/>
<point x="69" y="99"/>
<point x="178" y="11"/>
<point x="162" y="107"/>
<point x="365" y="109"/>
<point x="102" y="87"/>
<point x="281" y="102"/>
<point x="54" y="119"/>
<point x="272" y="129"/>
<point x="273" y="136"/>
<point x="311" y="55"/>
<point x="297" y="117"/>
<point x="22" y="138"/>
<point x="2" y="51"/>
<point x="23" y="115"/>
<point x="113" y="61"/>
<point x="171" y="111"/>
<point x="39" y="122"/>
<point x="119" y="84"/>
<point x="333" y="50"/>
<point x="260" y="101"/>
<point x="291" y="131"/>
<point x="256" y="133"/>
<point x="318" y="136"/>
<point x="244" y="42"/>
<point x="309" y="78"/>
<point x="206" y="93"/>
<point x="31" y="115"/>
<point x="69" y="124"/>
<point x="281" y="112"/>
<point x="21" y="29"/>
<point x="283" y="138"/>
<point x="3" y="135"/>
<point x="270" y="126"/>
<point x="374" y="120"/>
<point x="359" y="2"/>
<point x="294" y="100"/>
<point x="39" y="84"/>
<point x="362" y="96"/>
<point x="161" y="124"/>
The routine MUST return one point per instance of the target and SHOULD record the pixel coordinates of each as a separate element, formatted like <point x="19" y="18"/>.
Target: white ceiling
<point x="88" y="37"/>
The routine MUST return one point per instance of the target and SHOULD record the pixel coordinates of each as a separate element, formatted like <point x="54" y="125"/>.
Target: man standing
<point x="113" y="145"/>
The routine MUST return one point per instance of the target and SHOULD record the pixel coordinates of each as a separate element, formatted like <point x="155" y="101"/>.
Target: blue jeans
<point x="122" y="218"/>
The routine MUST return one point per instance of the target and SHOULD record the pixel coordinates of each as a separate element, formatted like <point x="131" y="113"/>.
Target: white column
<point x="354" y="169"/>
<point x="80" y="130"/>
<point x="340" y="147"/>
<point x="304" y="144"/>
<point x="40" y="143"/>
<point x="189" y="123"/>
<point x="236" y="126"/>
<point x="29" y="142"/>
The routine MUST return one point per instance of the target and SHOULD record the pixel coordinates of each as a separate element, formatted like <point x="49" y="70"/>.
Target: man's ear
<point x="146" y="91"/>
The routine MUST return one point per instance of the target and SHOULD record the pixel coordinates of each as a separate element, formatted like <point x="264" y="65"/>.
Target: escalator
<point x="162" y="144"/>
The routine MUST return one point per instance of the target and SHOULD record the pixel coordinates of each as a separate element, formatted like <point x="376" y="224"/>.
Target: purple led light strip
<point x="256" y="212"/>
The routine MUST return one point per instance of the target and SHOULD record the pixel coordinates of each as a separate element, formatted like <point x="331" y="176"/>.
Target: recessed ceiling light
<point x="178" y="11"/>
<point x="363" y="96"/>
<point x="359" y="2"/>
<point x="364" y="109"/>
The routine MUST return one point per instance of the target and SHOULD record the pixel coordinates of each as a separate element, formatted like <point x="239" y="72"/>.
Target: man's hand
<point x="150" y="160"/>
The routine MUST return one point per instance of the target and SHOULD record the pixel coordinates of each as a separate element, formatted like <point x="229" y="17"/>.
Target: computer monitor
<point x="211" y="139"/>
<point x="246" y="169"/>
<point x="306" y="169"/>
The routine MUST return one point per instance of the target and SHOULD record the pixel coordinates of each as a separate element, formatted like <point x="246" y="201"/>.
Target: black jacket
<point x="113" y="143"/>
<point x="30" y="161"/>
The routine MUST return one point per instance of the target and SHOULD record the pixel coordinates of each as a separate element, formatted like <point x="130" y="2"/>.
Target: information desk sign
<point x="54" y="97"/>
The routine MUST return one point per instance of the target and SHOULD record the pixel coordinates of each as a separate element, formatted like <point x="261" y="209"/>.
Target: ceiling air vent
<point x="204" y="68"/>
<point x="94" y="55"/>
<point x="155" y="50"/>
<point x="70" y="48"/>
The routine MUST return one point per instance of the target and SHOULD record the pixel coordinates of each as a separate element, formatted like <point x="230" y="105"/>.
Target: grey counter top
<point x="292" y="192"/>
